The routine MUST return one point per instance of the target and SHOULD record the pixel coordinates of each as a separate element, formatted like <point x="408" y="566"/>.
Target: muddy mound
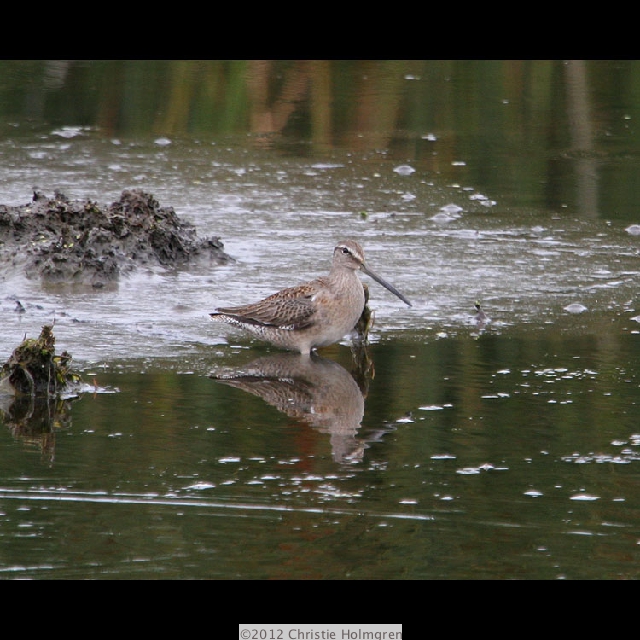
<point x="58" y="240"/>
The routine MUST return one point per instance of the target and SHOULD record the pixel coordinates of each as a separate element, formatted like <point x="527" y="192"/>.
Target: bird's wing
<point x="292" y="308"/>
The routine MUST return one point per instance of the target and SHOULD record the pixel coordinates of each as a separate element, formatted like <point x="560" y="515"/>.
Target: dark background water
<point x="553" y="134"/>
<point x="503" y="451"/>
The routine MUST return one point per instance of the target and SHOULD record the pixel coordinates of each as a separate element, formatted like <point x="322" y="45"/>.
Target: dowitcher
<point x="314" y="314"/>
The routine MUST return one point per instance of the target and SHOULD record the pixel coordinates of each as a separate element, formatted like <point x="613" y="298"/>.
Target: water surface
<point x="502" y="450"/>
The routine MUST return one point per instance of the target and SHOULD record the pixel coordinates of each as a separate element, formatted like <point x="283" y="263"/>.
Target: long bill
<point x="385" y="284"/>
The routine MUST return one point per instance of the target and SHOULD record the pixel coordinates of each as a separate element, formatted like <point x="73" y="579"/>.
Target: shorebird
<point x="314" y="314"/>
<point x="480" y="316"/>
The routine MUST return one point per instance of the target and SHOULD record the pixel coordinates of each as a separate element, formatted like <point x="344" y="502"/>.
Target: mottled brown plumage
<point x="314" y="314"/>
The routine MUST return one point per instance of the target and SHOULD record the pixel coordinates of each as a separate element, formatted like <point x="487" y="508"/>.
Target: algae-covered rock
<point x="33" y="369"/>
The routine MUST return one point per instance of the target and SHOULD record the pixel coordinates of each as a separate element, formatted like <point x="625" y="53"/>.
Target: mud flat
<point x="64" y="241"/>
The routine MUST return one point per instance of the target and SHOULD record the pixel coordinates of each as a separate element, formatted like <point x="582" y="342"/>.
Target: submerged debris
<point x="366" y="320"/>
<point x="37" y="389"/>
<point x="60" y="240"/>
<point x="363" y="369"/>
<point x="34" y="370"/>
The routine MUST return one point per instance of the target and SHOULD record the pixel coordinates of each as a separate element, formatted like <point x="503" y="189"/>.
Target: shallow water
<point x="504" y="450"/>
<point x="445" y="250"/>
<point x="497" y="457"/>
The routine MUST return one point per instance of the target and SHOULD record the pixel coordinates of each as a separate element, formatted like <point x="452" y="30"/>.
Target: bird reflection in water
<point x="315" y="390"/>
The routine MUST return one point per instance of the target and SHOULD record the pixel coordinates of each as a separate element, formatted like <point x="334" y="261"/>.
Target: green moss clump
<point x="33" y="369"/>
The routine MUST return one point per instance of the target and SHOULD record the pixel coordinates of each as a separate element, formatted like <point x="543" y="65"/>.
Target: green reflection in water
<point x="501" y="457"/>
<point x="551" y="134"/>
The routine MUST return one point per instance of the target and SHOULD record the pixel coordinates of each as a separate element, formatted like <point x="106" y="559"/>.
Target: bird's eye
<point x="345" y="250"/>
